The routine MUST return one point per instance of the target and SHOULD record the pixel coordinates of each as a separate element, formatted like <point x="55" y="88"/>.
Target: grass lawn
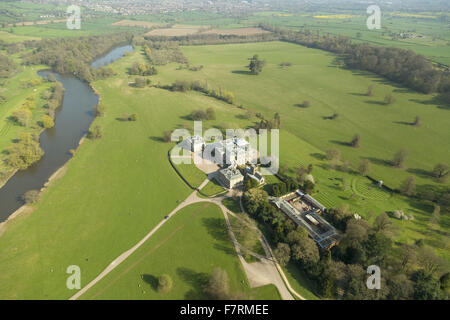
<point x="232" y="205"/>
<point x="187" y="248"/>
<point x="305" y="134"/>
<point x="315" y="77"/>
<point x="11" y="37"/>
<point x="267" y="292"/>
<point x="299" y="282"/>
<point x="192" y="174"/>
<point x="212" y="188"/>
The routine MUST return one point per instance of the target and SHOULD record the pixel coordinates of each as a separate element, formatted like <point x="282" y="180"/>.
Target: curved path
<point x="267" y="248"/>
<point x="266" y="271"/>
<point x="192" y="198"/>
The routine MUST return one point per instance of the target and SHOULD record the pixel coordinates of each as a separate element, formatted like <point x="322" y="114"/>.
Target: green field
<point x="99" y="209"/>
<point x="432" y="37"/>
<point x="191" y="173"/>
<point x="59" y="29"/>
<point x="306" y="135"/>
<point x="212" y="188"/>
<point x="196" y="233"/>
<point x="331" y="89"/>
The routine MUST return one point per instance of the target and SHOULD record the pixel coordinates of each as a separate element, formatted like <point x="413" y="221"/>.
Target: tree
<point x="441" y="170"/>
<point x="435" y="216"/>
<point x="355" y="143"/>
<point x="357" y="231"/>
<point x="364" y="167"/>
<point x="416" y="122"/>
<point x="210" y="114"/>
<point x="256" y="65"/>
<point x="377" y="247"/>
<point x="218" y="285"/>
<point x="383" y="224"/>
<point x="389" y="99"/>
<point x="400" y="287"/>
<point x="303" y="248"/>
<point x="165" y="283"/>
<point x="277" y="120"/>
<point x="31" y="197"/>
<point x="25" y="152"/>
<point x="306" y="104"/>
<point x="369" y="92"/>
<point x="250" y="183"/>
<point x="408" y="186"/>
<point x="333" y="154"/>
<point x="99" y="110"/>
<point x="133" y="117"/>
<point x="22" y="116"/>
<point x="429" y="261"/>
<point x="95" y="133"/>
<point x="51" y="77"/>
<point x="309" y="186"/>
<point x="445" y="282"/>
<point x="426" y="287"/>
<point x="139" y="82"/>
<point x="166" y="136"/>
<point x="248" y="114"/>
<point x="282" y="253"/>
<point x="47" y="121"/>
<point x="198" y="115"/>
<point x="407" y="255"/>
<point x="400" y="157"/>
<point x="300" y="174"/>
<point x="310" y="168"/>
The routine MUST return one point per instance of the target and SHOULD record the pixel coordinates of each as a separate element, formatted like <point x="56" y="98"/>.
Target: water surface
<point x="72" y="121"/>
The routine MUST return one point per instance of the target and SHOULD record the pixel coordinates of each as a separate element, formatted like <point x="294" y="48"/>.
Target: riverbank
<point x="28" y="209"/>
<point x="73" y="120"/>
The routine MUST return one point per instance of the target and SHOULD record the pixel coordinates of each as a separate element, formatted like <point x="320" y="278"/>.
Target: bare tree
<point x="408" y="186"/>
<point x="356" y="141"/>
<point x="400" y="157"/>
<point x="282" y="253"/>
<point x="364" y="167"/>
<point x="218" y="286"/>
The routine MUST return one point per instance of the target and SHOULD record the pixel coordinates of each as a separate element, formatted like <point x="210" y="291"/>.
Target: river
<point x="72" y="121"/>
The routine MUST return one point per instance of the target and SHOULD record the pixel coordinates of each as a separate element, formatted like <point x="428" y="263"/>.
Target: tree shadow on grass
<point x="358" y="94"/>
<point x="217" y="228"/>
<point x="341" y="143"/>
<point x="379" y="103"/>
<point x="302" y="105"/>
<point x="420" y="172"/>
<point x="405" y="123"/>
<point x="197" y="280"/>
<point x="242" y="117"/>
<point x="242" y="72"/>
<point x="379" y="161"/>
<point x="157" y="139"/>
<point x="318" y="156"/>
<point x="151" y="280"/>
